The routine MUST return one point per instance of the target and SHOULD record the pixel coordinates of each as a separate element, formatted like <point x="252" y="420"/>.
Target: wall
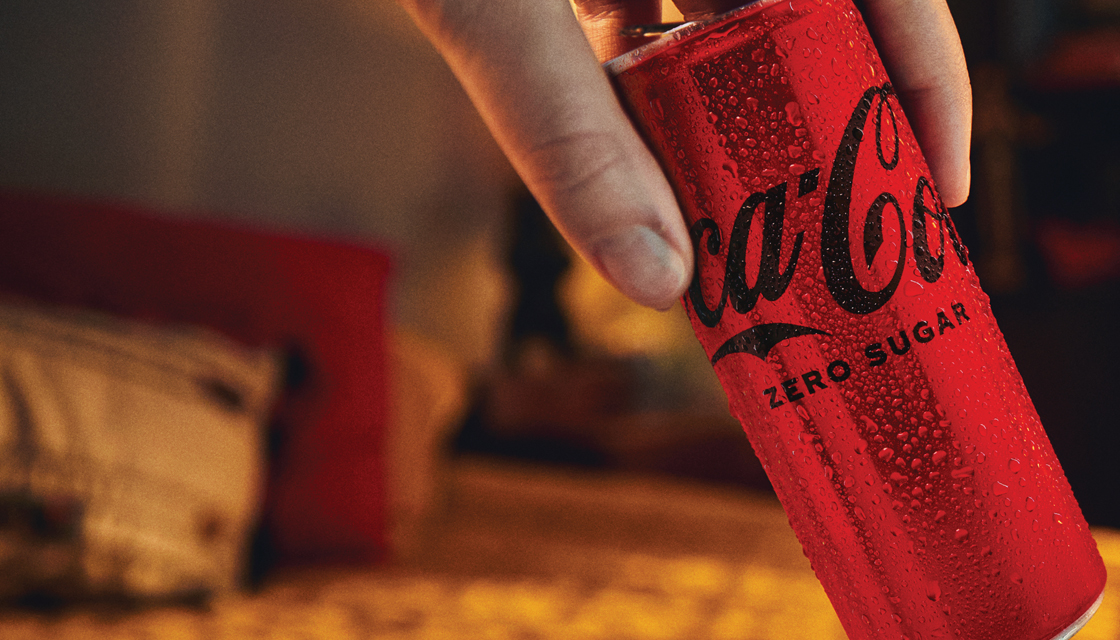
<point x="334" y="118"/>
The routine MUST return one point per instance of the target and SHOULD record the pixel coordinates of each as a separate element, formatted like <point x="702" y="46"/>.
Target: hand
<point x="534" y="75"/>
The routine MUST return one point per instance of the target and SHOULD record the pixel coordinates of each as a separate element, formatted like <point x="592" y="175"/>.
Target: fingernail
<point x="643" y="266"/>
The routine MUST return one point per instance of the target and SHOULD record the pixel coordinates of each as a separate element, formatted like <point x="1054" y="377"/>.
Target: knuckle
<point x="570" y="164"/>
<point x="598" y="9"/>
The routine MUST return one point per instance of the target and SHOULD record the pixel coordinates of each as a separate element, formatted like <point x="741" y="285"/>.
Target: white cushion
<point x="131" y="455"/>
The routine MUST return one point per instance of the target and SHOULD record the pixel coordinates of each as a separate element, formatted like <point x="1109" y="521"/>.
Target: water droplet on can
<point x="933" y="590"/>
<point x="793" y="114"/>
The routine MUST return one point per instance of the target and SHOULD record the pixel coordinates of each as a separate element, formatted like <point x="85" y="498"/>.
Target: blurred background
<point x="518" y="376"/>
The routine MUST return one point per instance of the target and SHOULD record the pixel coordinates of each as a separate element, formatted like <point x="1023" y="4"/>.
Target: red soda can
<point x="841" y="312"/>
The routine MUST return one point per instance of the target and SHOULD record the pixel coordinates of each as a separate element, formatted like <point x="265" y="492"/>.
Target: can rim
<point x="1068" y="632"/>
<point x="691" y="29"/>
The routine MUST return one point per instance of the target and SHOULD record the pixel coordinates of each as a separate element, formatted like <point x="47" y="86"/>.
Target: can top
<point x="686" y="30"/>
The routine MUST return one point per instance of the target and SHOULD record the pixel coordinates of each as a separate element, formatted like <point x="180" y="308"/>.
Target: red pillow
<point x="323" y="301"/>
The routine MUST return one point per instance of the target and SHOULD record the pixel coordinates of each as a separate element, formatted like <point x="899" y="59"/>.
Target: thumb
<point x="532" y="75"/>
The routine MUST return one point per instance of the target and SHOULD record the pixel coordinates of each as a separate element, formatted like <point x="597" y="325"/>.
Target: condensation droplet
<point x="963" y="472"/>
<point x="933" y="590"/>
<point x="793" y="114"/>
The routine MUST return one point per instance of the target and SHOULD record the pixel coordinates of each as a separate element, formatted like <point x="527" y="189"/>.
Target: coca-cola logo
<point x="837" y="250"/>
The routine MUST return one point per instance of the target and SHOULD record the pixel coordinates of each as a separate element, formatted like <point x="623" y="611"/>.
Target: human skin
<point x="532" y="69"/>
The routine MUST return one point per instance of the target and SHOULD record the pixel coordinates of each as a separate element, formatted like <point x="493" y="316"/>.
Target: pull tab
<point x="639" y="30"/>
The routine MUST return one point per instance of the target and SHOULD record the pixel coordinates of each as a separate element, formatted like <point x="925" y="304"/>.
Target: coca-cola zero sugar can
<point x="841" y="312"/>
